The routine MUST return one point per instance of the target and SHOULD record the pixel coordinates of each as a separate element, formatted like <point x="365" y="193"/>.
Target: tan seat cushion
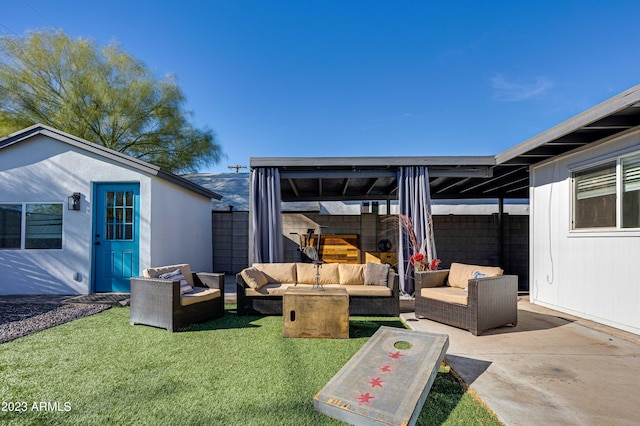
<point x="284" y="273"/>
<point x="306" y="273"/>
<point x="351" y="274"/>
<point x="460" y="273"/>
<point x="446" y="294"/>
<point x="368" y="290"/>
<point x="269" y="290"/>
<point x="154" y="272"/>
<point x="199" y="294"/>
<point x="254" y="278"/>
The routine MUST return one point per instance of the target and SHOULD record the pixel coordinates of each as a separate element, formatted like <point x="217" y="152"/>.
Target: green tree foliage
<point x="102" y="95"/>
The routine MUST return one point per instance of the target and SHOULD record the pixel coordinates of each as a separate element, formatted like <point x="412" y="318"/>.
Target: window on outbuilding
<point x="10" y="226"/>
<point x="42" y="228"/>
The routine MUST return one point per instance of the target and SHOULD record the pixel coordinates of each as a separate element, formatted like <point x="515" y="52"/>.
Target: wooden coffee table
<point x="309" y="312"/>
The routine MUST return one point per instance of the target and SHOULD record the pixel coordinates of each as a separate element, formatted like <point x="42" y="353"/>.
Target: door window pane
<point x="119" y="216"/>
<point x="43" y="229"/>
<point x="595" y="197"/>
<point x="10" y="226"/>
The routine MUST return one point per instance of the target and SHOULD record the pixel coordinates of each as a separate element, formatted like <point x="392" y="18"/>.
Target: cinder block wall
<point x="475" y="239"/>
<point x="230" y="241"/>
<point x="459" y="238"/>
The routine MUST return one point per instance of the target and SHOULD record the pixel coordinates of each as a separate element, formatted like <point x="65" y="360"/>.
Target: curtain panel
<point x="414" y="198"/>
<point x="266" y="219"/>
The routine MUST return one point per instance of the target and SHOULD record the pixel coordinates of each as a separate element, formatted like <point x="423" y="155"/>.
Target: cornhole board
<point x="387" y="381"/>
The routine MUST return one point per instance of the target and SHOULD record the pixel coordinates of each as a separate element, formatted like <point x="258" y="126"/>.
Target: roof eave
<point x="140" y="165"/>
<point x="612" y="105"/>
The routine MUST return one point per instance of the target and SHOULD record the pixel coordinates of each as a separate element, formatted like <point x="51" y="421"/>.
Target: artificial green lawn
<point x="230" y="371"/>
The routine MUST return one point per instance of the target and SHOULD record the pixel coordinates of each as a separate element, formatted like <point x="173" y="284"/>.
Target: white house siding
<point x="593" y="275"/>
<point x="44" y="169"/>
<point x="181" y="226"/>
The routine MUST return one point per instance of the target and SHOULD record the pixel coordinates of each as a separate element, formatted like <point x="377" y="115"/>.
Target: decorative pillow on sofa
<point x="351" y="274"/>
<point x="460" y="273"/>
<point x="376" y="274"/>
<point x="254" y="278"/>
<point x="185" y="287"/>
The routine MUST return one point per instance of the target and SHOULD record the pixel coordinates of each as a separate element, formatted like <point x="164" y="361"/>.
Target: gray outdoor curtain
<point x="414" y="198"/>
<point x="266" y="220"/>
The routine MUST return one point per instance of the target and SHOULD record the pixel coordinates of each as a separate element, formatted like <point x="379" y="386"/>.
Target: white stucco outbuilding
<point x="78" y="218"/>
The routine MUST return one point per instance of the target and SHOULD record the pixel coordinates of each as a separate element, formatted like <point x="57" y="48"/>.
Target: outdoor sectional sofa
<point x="373" y="288"/>
<point x="158" y="300"/>
<point x="475" y="298"/>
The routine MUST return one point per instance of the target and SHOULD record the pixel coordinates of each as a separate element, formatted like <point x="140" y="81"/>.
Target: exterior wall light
<point x="73" y="201"/>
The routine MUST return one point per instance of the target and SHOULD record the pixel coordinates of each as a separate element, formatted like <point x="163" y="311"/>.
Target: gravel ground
<point x="21" y="319"/>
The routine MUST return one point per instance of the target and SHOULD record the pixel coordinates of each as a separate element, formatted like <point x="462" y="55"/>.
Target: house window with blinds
<point x="631" y="192"/>
<point x="595" y="197"/>
<point x="596" y="193"/>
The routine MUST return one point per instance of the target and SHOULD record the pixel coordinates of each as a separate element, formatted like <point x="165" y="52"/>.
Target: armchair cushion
<point x="199" y="294"/>
<point x="446" y="294"/>
<point x="460" y="273"/>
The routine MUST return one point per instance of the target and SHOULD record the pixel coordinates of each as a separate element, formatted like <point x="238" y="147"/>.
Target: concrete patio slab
<point x="550" y="369"/>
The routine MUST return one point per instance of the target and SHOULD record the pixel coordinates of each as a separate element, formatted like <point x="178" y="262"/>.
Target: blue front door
<point x="116" y="236"/>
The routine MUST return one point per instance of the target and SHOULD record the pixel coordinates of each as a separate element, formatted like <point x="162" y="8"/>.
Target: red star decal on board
<point x="375" y="382"/>
<point x="364" y="397"/>
<point x="386" y="368"/>
<point x="395" y="355"/>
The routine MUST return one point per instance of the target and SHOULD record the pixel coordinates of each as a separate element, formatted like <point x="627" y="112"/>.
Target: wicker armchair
<point x="157" y="302"/>
<point x="491" y="302"/>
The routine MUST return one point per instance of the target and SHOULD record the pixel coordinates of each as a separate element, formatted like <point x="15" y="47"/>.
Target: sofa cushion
<point x="460" y="273"/>
<point x="269" y="290"/>
<point x="253" y="277"/>
<point x="446" y="294"/>
<point x="284" y="273"/>
<point x="368" y="290"/>
<point x="199" y="294"/>
<point x="155" y="272"/>
<point x="376" y="274"/>
<point x="351" y="274"/>
<point x="306" y="273"/>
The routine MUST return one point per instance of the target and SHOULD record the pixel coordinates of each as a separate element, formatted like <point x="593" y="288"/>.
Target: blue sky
<point x="366" y="78"/>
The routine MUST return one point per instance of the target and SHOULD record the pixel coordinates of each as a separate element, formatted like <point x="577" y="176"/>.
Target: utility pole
<point x="237" y="167"/>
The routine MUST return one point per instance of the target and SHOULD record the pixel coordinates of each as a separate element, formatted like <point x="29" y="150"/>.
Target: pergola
<point x="503" y="176"/>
